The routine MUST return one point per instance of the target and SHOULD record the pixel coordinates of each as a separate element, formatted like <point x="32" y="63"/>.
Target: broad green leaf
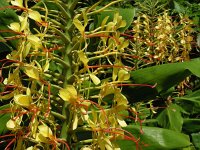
<point x="154" y="138"/>
<point x="69" y="94"/>
<point x="31" y="71"/>
<point x="4" y="46"/>
<point x="191" y="125"/>
<point x="179" y="8"/>
<point x="23" y="100"/>
<point x="165" y="76"/>
<point x="171" y="118"/>
<point x="7" y="16"/>
<point x="4" y="118"/>
<point x="196" y="140"/>
<point x="190" y="103"/>
<point x="95" y="79"/>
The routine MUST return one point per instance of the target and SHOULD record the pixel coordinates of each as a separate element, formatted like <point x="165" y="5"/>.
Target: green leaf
<point x="171" y="118"/>
<point x="195" y="140"/>
<point x="4" y="118"/>
<point x="190" y="103"/>
<point x="165" y="76"/>
<point x="179" y="8"/>
<point x="4" y="47"/>
<point x="7" y="16"/>
<point x="154" y="139"/>
<point x="191" y="125"/>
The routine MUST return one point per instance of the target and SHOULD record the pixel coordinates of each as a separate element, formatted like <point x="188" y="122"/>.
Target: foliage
<point x="71" y="80"/>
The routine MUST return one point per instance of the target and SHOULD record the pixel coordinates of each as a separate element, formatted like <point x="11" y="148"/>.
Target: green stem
<point x="64" y="63"/>
<point x="103" y="8"/>
<point x="103" y="56"/>
<point x="67" y="73"/>
<point x="61" y="34"/>
<point x="57" y="115"/>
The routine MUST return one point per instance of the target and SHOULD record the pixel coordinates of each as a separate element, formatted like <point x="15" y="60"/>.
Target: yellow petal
<point x="31" y="71"/>
<point x="30" y="148"/>
<point x="15" y="26"/>
<point x="45" y="131"/>
<point x="75" y="122"/>
<point x="79" y="25"/>
<point x="14" y="124"/>
<point x="86" y="148"/>
<point x="95" y="79"/>
<point x="121" y="121"/>
<point x="35" y="15"/>
<point x="46" y="66"/>
<point x="40" y="138"/>
<point x="26" y="49"/>
<point x="108" y="144"/>
<point x="83" y="57"/>
<point x="69" y="93"/>
<point x="123" y="75"/>
<point x="114" y="74"/>
<point x="24" y="22"/>
<point x="23" y="100"/>
<point x="11" y="125"/>
<point x="34" y="40"/>
<point x="17" y="3"/>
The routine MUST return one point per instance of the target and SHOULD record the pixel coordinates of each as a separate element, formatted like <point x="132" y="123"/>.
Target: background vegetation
<point x="105" y="75"/>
